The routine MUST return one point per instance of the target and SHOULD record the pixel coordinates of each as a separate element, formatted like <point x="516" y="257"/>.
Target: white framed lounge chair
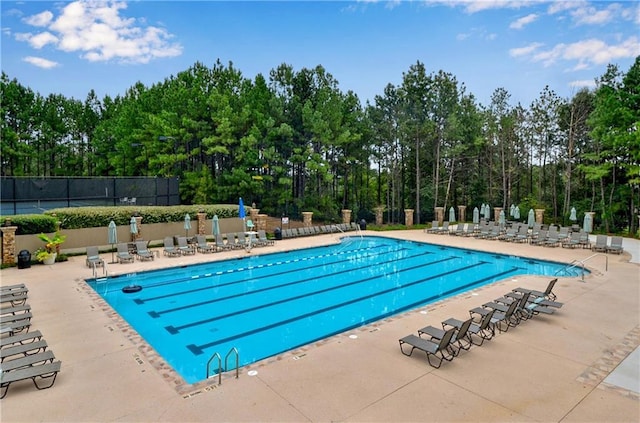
<point x="169" y="248"/>
<point x="93" y="257"/>
<point x="143" y="252"/>
<point x="123" y="254"/>
<point x="184" y="247"/>
<point x="616" y="245"/>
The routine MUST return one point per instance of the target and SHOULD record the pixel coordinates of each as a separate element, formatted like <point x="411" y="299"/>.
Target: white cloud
<point x="591" y="51"/>
<point x="591" y="16"/>
<point x="524" y="51"/>
<point x="561" y="6"/>
<point x="522" y="22"/>
<point x="588" y="83"/>
<point x="96" y="29"/>
<point x="41" y="19"/>
<point x="475" y="6"/>
<point x="40" y="62"/>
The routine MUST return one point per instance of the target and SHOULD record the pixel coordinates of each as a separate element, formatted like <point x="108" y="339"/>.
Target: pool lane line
<point x="156" y="314"/>
<point x="140" y="301"/>
<point x="199" y="349"/>
<point x="175" y="329"/>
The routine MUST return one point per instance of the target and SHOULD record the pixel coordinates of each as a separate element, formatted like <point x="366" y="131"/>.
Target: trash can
<point x="277" y="232"/>
<point x="24" y="259"/>
<point x="363" y="224"/>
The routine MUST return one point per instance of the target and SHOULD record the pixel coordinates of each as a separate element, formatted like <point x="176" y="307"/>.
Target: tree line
<point x="296" y="142"/>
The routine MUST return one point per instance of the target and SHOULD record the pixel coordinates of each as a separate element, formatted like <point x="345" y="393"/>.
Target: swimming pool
<point x="264" y="305"/>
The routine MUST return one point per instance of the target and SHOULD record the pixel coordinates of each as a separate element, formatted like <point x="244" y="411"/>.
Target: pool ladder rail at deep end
<point x="216" y="357"/>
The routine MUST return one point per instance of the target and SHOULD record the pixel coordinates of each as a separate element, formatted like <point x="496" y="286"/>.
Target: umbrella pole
<point x="113" y="260"/>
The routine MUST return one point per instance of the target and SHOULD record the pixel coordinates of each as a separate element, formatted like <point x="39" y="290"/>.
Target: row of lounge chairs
<point x="319" y="229"/>
<point x="23" y="354"/>
<point x="602" y="244"/>
<point x="222" y="242"/>
<point x="456" y="335"/>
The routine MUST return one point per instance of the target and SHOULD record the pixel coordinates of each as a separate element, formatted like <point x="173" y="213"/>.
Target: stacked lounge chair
<point x="23" y="354"/>
<point x="456" y="335"/>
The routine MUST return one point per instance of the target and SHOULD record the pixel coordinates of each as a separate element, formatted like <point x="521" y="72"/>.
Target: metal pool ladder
<point x="580" y="263"/>
<point x="217" y="357"/>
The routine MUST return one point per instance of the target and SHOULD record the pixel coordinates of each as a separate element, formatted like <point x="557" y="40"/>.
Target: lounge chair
<point x="21" y="338"/>
<point x="241" y="240"/>
<point x="601" y="244"/>
<point x="93" y="257"/>
<point x="15" y="310"/>
<point x="14" y="299"/>
<point x="184" y="247"/>
<point x="27" y="361"/>
<point x="584" y="240"/>
<point x="170" y="248"/>
<point x="262" y="238"/>
<point x="444" y="229"/>
<point x="22" y="350"/>
<point x="143" y="252"/>
<point x="438" y="350"/>
<point x="616" y="245"/>
<point x="540" y="238"/>
<point x="462" y="336"/>
<point x="573" y="241"/>
<point x="547" y="293"/>
<point x="523" y="234"/>
<point x="433" y="229"/>
<point x="502" y="320"/>
<point x="483" y="330"/>
<point x="19" y="287"/>
<point x="13" y="327"/>
<point x="553" y="239"/>
<point x="220" y="244"/>
<point x="123" y="254"/>
<point x="460" y="230"/>
<point x="202" y="246"/>
<point x="48" y="370"/>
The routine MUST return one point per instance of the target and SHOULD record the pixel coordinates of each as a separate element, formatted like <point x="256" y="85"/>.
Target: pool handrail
<point x="575" y="263"/>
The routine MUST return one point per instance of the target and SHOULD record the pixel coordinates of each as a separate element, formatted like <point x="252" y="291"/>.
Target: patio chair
<point x="22" y="350"/>
<point x="16" y="299"/>
<point x="48" y="370"/>
<point x="523" y="234"/>
<point x="460" y="229"/>
<point x="547" y="293"/>
<point x="220" y="244"/>
<point x="184" y="247"/>
<point x="483" y="330"/>
<point x="584" y="240"/>
<point x="123" y="254"/>
<point x="202" y="246"/>
<point x="502" y="320"/>
<point x="262" y="238"/>
<point x="241" y="240"/>
<point x="21" y="338"/>
<point x="601" y="244"/>
<point x="143" y="252"/>
<point x="462" y="337"/>
<point x="438" y="350"/>
<point x="553" y="239"/>
<point x="170" y="248"/>
<point x="93" y="257"/>
<point x="444" y="229"/>
<point x="12" y="326"/>
<point x="616" y="245"/>
<point x="573" y="241"/>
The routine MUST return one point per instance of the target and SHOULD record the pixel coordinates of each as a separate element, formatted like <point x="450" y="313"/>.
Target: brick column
<point x="440" y="215"/>
<point x="379" y="215"/>
<point x="9" y="244"/>
<point x="253" y="214"/>
<point x="346" y="216"/>
<point x="202" y="223"/>
<point x="539" y="215"/>
<point x="261" y="222"/>
<point x="496" y="213"/>
<point x="462" y="213"/>
<point x="408" y="217"/>
<point x="307" y="218"/>
<point x="139" y="224"/>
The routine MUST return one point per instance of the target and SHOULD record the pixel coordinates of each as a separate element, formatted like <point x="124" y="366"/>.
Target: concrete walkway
<point x="553" y="368"/>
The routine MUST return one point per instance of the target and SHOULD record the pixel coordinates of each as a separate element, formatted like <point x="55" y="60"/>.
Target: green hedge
<point x="94" y="217"/>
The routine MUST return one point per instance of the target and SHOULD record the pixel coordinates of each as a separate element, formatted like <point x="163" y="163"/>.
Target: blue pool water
<point x="266" y="304"/>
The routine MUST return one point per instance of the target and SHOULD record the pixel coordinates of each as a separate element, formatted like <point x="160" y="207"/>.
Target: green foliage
<point x="33" y="223"/>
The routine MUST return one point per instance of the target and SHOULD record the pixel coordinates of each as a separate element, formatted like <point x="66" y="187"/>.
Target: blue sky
<point x="72" y="47"/>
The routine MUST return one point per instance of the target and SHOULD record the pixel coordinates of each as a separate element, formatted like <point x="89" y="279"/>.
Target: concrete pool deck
<point x="569" y="366"/>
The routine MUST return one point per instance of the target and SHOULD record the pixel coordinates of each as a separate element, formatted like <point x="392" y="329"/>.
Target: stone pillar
<point x="408" y="217"/>
<point x="253" y="214"/>
<point x="346" y="216"/>
<point x="440" y="215"/>
<point x="379" y="215"/>
<point x="462" y="213"/>
<point x="539" y="216"/>
<point x="307" y="218"/>
<point x="9" y="244"/>
<point x="261" y="222"/>
<point x="138" y="236"/>
<point x="496" y="214"/>
<point x="202" y="223"/>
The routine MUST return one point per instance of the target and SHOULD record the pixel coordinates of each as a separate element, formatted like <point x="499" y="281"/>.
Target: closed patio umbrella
<point x="187" y="224"/>
<point x="216" y="225"/>
<point x="531" y="219"/>
<point x="487" y="212"/>
<point x="512" y="210"/>
<point x="112" y="238"/>
<point x="452" y="215"/>
<point x="573" y="217"/>
<point x="242" y="213"/>
<point x="516" y="213"/>
<point x="133" y="228"/>
<point x="587" y="225"/>
<point x="476" y="215"/>
<point x="502" y="218"/>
